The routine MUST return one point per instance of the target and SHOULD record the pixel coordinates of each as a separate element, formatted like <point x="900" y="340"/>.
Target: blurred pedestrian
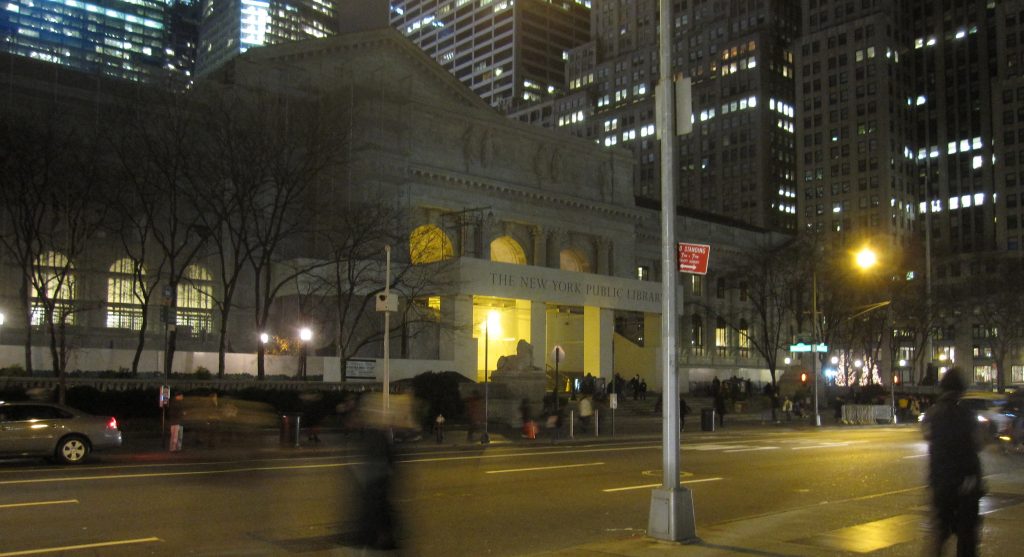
<point x="787" y="409"/>
<point x="720" y="408"/>
<point x="954" y="469"/>
<point x="684" y="409"/>
<point x="377" y="522"/>
<point x="643" y="389"/>
<point x="439" y="428"/>
<point x="475" y="413"/>
<point x="586" y="412"/>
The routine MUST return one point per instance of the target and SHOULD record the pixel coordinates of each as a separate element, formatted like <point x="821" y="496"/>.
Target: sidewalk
<point x="855" y="527"/>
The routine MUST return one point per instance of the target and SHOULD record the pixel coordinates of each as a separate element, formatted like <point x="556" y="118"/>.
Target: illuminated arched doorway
<point x="195" y="299"/>
<point x="428" y="244"/>
<point x="55" y="286"/>
<point x="572" y="260"/>
<point x="505" y="249"/>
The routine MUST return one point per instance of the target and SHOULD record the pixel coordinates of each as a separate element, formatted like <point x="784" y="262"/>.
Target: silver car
<point x="54" y="431"/>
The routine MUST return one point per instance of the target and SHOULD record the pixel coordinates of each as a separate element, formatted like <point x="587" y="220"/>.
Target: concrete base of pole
<point x="671" y="517"/>
<point x="817" y="420"/>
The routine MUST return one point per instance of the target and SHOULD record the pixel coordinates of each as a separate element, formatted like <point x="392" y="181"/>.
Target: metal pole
<point x="671" y="514"/>
<point x="486" y="438"/>
<point x="814" y="342"/>
<point x="387" y="330"/>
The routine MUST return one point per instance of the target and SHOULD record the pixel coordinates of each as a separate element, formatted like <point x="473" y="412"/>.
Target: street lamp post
<point x="261" y="352"/>
<point x="866" y="259"/>
<point x="814" y="343"/>
<point x="485" y="438"/>
<point x="305" y="335"/>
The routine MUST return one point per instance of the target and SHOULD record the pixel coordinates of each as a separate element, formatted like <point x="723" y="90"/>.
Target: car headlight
<point x="982" y="419"/>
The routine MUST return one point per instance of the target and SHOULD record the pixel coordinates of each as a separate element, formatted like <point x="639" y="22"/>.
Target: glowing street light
<point x="866" y="258"/>
<point x="264" y="338"/>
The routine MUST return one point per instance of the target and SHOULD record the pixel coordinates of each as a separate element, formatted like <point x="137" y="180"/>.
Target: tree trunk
<point x="171" y="343"/>
<point x="261" y="365"/>
<point x="222" y="342"/>
<point x="26" y="306"/>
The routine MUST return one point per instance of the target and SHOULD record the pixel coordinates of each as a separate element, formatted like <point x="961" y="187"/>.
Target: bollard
<point x="572" y="423"/>
<point x="597" y="423"/>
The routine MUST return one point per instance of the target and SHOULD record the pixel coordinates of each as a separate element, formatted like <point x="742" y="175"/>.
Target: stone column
<point x="540" y="246"/>
<point x="457" y="343"/>
<point x="556" y="241"/>
<point x="488" y="229"/>
<point x="539" y="333"/>
<point x="598" y="330"/>
<point x="602" y="252"/>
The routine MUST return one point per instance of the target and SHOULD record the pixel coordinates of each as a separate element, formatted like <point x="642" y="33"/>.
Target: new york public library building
<point x="507" y="240"/>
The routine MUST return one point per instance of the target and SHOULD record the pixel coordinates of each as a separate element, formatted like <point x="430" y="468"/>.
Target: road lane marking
<point x="173" y="474"/>
<point x="544" y="468"/>
<point x="38" y="503"/>
<point x="649" y="486"/>
<point x="751" y="449"/>
<point x="77" y="547"/>
<point x="821" y="446"/>
<point x="915" y="456"/>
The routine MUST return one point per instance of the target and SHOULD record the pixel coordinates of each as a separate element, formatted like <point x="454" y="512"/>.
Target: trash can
<point x="707" y="419"/>
<point x="290" y="425"/>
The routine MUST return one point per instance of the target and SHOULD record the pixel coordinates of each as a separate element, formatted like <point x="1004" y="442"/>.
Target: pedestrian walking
<point x="684" y="409"/>
<point x="954" y="469"/>
<point x="439" y="428"/>
<point x="787" y="409"/>
<point x="720" y="408"/>
<point x="586" y="412"/>
<point x="643" y="389"/>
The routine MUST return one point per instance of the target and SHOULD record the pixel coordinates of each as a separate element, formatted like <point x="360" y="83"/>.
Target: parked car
<point x="54" y="431"/>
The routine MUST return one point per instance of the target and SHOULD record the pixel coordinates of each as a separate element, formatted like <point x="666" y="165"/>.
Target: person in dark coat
<point x="720" y="408"/>
<point x="954" y="469"/>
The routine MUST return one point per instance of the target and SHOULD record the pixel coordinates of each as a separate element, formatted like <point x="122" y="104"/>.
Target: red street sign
<point x="693" y="258"/>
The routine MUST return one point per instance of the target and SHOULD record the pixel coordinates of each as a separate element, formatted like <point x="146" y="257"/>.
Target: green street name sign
<point x="804" y="347"/>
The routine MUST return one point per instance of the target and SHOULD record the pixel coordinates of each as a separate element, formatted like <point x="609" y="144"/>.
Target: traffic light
<point x="803" y="378"/>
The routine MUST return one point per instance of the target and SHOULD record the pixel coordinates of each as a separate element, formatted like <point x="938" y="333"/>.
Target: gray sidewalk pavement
<point x="888" y="525"/>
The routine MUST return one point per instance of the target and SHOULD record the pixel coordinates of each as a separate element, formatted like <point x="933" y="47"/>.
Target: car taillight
<point x="112" y="423"/>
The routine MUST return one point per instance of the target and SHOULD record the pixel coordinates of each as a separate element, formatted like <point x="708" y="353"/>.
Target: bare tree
<point x="50" y="170"/>
<point x="264" y="153"/>
<point x="995" y="302"/>
<point x="767" y="276"/>
<point x="155" y="149"/>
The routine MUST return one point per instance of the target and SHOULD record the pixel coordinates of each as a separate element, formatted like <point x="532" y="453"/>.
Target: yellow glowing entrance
<point x="498" y="325"/>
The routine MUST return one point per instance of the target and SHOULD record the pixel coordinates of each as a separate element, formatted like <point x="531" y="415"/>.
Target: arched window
<point x="506" y="249"/>
<point x="54" y="286"/>
<point x="195" y="299"/>
<point x="428" y="244"/>
<point x="125" y="296"/>
<point x="572" y="260"/>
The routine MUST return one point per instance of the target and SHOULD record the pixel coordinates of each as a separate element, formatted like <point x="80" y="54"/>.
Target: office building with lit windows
<point x="738" y="161"/>
<point x="858" y="157"/>
<point x="510" y="53"/>
<point x="230" y="27"/>
<point x="113" y="38"/>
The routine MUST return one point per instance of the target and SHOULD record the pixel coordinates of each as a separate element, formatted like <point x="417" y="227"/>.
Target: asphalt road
<point x="503" y="500"/>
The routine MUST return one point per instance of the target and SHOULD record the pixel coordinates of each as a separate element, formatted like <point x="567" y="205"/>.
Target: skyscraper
<point x="738" y="161"/>
<point x="509" y="53"/>
<point x="115" y="38"/>
<point x="858" y="155"/>
<point x="230" y="27"/>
